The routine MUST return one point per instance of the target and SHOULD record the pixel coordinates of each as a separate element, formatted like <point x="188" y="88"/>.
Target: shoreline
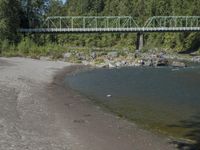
<point x="39" y="112"/>
<point x="125" y="125"/>
<point x="118" y="59"/>
<point x="73" y="70"/>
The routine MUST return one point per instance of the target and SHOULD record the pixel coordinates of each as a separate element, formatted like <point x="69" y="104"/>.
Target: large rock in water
<point x="178" y="64"/>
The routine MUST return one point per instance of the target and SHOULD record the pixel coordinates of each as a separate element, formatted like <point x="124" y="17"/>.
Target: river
<point x="164" y="100"/>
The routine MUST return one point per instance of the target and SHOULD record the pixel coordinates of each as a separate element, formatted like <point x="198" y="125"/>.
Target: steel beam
<point x="85" y="24"/>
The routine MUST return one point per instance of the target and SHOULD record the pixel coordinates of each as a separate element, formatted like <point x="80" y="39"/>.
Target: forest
<point x="15" y="14"/>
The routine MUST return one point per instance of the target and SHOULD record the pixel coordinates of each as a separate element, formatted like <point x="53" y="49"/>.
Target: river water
<point x="165" y="100"/>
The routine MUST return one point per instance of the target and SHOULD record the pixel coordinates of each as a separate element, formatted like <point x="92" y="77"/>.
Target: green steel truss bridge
<point x="103" y="24"/>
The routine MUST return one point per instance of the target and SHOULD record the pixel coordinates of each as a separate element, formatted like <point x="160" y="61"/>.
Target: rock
<point x="136" y="65"/>
<point x="93" y="55"/>
<point x="111" y="65"/>
<point x="109" y="95"/>
<point x="121" y="64"/>
<point x="162" y="62"/>
<point x="84" y="62"/>
<point x="112" y="54"/>
<point x="124" y="62"/>
<point x="141" y="62"/>
<point x="45" y="58"/>
<point x="66" y="56"/>
<point x="81" y="56"/>
<point x="178" y="64"/>
<point x="196" y="59"/>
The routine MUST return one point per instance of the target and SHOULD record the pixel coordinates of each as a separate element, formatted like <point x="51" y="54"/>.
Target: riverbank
<point x="114" y="58"/>
<point x="38" y="112"/>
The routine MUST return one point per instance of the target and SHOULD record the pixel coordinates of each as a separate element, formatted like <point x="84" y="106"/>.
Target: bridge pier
<point x="140" y="41"/>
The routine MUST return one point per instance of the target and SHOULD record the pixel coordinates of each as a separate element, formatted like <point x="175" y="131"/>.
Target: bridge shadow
<point x="192" y="126"/>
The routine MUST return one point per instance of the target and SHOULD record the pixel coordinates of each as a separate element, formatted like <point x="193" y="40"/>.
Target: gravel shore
<point x="37" y="112"/>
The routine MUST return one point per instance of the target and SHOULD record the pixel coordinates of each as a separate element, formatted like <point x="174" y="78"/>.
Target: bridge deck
<point x="110" y="30"/>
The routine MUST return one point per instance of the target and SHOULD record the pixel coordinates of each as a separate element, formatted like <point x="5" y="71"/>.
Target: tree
<point x="33" y="11"/>
<point x="55" y="8"/>
<point x="9" y="19"/>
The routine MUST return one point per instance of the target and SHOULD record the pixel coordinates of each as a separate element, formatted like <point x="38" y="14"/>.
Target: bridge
<point x="93" y="24"/>
<point x="119" y="24"/>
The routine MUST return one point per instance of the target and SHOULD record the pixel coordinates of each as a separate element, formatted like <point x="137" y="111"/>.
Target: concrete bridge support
<point x="140" y="41"/>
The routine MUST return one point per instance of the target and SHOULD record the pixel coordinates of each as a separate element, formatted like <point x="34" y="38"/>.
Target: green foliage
<point x="9" y="19"/>
<point x="25" y="46"/>
<point x="5" y="45"/>
<point x="29" y="13"/>
<point x="141" y="10"/>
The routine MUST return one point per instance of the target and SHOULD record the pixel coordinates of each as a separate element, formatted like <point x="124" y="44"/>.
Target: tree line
<point x="15" y="14"/>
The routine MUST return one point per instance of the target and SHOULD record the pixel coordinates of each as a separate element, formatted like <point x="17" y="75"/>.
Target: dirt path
<point x="38" y="113"/>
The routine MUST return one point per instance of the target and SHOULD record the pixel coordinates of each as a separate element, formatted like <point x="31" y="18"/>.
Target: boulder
<point x="137" y="54"/>
<point x="81" y="56"/>
<point x="93" y="55"/>
<point x="196" y="59"/>
<point x="119" y="64"/>
<point x="86" y="63"/>
<point x="112" y="54"/>
<point x="112" y="65"/>
<point x="178" y="64"/>
<point x="45" y="58"/>
<point x="162" y="62"/>
<point x="102" y="65"/>
<point x="66" y="56"/>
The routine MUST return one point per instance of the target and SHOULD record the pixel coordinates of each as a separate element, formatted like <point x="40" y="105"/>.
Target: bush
<point x="26" y="46"/>
<point x="4" y="46"/>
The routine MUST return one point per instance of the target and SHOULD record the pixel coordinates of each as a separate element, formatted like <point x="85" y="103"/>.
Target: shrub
<point x="26" y="45"/>
<point x="4" y="46"/>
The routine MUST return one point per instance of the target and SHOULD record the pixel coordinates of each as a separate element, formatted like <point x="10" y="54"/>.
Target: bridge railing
<point x="85" y="24"/>
<point x="90" y="22"/>
<point x="173" y="21"/>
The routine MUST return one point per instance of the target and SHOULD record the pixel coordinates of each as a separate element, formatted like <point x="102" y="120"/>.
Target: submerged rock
<point x="81" y="56"/>
<point x="102" y="65"/>
<point x="45" y="58"/>
<point x="149" y="63"/>
<point x="196" y="59"/>
<point x="84" y="62"/>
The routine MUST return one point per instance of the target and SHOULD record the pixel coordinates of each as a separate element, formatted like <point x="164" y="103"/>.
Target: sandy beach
<point x="38" y="112"/>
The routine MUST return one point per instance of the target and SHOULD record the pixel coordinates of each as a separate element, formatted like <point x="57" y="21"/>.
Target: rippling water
<point x="163" y="99"/>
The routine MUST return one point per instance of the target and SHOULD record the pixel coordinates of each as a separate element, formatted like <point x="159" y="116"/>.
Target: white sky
<point x="64" y="1"/>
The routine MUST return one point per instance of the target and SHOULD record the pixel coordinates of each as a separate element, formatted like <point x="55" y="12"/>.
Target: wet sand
<point x="37" y="111"/>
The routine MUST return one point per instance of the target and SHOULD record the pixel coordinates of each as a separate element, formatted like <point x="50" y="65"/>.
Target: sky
<point x="64" y="1"/>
